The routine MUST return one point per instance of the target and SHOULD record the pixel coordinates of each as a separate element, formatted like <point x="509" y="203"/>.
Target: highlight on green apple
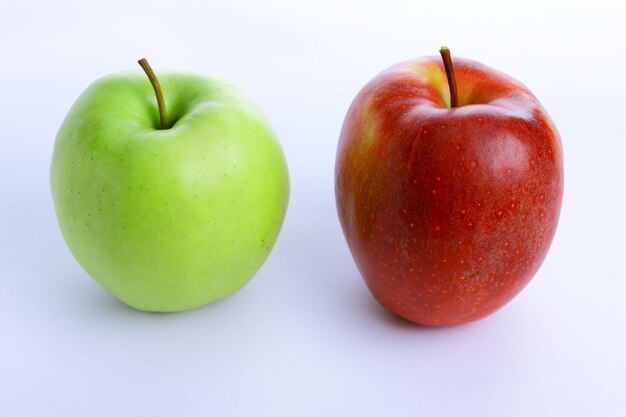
<point x="170" y="191"/>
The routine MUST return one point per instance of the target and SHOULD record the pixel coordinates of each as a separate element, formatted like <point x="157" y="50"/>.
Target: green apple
<point x="169" y="216"/>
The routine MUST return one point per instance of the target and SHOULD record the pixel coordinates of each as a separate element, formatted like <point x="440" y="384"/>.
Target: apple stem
<point x="143" y="62"/>
<point x="447" y="63"/>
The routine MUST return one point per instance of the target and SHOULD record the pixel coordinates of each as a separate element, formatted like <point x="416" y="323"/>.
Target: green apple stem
<point x="143" y="62"/>
<point x="447" y="63"/>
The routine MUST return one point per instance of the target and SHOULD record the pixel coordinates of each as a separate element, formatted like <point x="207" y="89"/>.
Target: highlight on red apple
<point x="449" y="182"/>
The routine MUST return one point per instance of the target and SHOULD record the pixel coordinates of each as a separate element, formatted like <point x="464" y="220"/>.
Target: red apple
<point x="448" y="210"/>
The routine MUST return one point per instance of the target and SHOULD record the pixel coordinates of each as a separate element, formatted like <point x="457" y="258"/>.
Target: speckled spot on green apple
<point x="168" y="219"/>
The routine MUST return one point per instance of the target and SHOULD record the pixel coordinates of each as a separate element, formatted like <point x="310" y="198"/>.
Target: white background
<point x="305" y="338"/>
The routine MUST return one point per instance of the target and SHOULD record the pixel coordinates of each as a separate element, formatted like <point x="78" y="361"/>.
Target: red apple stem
<point x="143" y="62"/>
<point x="447" y="63"/>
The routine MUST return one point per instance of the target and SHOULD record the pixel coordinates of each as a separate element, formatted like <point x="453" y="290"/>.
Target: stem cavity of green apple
<point x="447" y="63"/>
<point x="143" y="62"/>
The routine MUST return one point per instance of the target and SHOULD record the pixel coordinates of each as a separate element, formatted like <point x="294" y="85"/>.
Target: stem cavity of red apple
<point x="143" y="62"/>
<point x="447" y="63"/>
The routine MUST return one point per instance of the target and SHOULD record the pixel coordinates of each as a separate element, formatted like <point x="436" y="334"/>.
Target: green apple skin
<point x="168" y="219"/>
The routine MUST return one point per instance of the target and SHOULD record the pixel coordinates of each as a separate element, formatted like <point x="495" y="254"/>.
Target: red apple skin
<point x="448" y="212"/>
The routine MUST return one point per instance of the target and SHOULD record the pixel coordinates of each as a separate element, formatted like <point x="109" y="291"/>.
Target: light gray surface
<point x="304" y="338"/>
